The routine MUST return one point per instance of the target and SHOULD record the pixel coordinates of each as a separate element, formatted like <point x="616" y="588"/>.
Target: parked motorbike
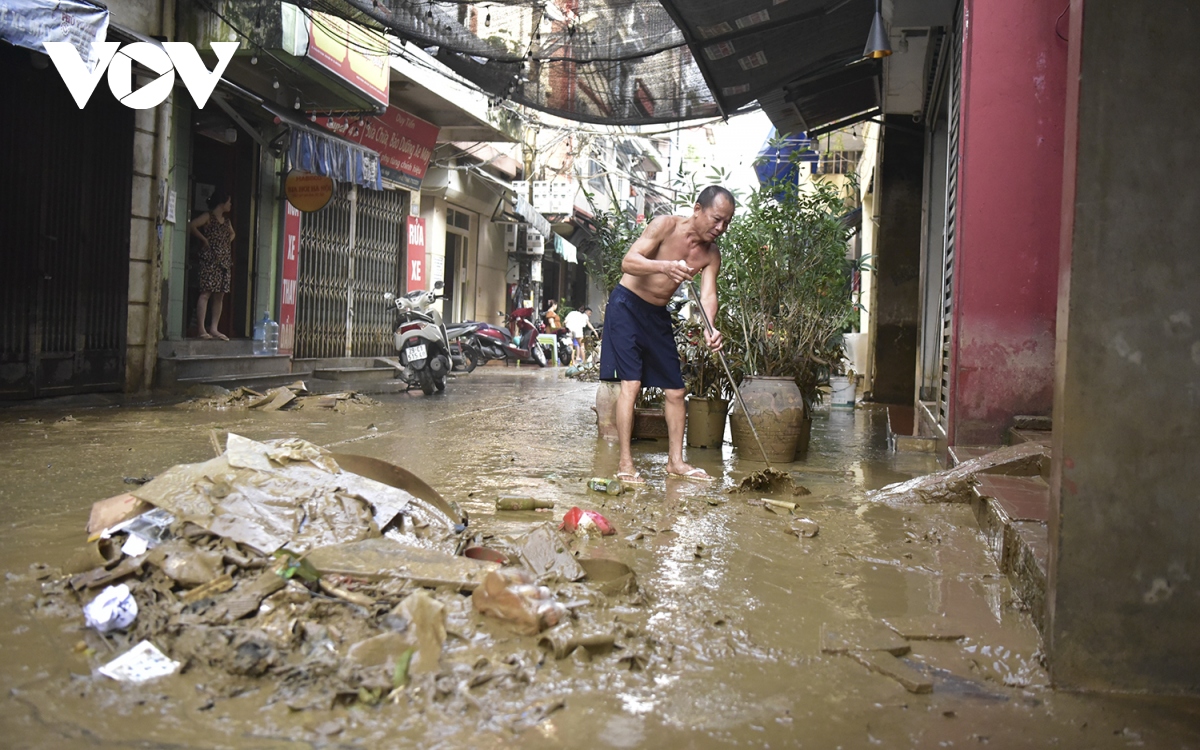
<point x="490" y="342"/>
<point x="524" y="346"/>
<point x="421" y="340"/>
<point x="465" y="353"/>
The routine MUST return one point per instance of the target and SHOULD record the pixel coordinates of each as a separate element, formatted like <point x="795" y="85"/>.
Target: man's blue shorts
<point x="638" y="342"/>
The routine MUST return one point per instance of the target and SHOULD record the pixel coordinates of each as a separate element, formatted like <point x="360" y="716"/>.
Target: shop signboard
<point x="352" y="53"/>
<point x="306" y="191"/>
<point x="403" y="141"/>
<point x="415" y="274"/>
<point x="288" y="278"/>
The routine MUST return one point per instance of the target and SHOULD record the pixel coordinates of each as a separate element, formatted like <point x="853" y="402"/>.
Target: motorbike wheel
<point x="564" y="355"/>
<point x="440" y="384"/>
<point x="470" y="359"/>
<point x="539" y="355"/>
<point x="427" y="384"/>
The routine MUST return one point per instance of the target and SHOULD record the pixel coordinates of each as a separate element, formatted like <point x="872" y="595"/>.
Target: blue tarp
<point x="328" y="155"/>
<point x="778" y="159"/>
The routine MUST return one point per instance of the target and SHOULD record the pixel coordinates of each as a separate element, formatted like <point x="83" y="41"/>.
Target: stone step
<point x="205" y="348"/>
<point x="1012" y="512"/>
<point x="258" y="382"/>
<point x="356" y="374"/>
<point x="196" y="367"/>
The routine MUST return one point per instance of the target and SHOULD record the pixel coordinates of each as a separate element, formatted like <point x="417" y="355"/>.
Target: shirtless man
<point x="639" y="346"/>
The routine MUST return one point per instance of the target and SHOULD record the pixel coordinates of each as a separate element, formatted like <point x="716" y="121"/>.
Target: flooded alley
<point x="841" y="623"/>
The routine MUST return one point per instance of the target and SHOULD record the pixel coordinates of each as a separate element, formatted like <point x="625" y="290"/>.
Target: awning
<point x="316" y="150"/>
<point x="566" y="249"/>
<point x="513" y="209"/>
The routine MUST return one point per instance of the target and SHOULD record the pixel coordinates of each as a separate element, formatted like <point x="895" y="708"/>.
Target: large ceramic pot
<point x="606" y="409"/>
<point x="706" y="421"/>
<point x="783" y="424"/>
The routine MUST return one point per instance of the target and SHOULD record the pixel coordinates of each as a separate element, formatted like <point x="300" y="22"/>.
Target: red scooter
<point x="524" y="346"/>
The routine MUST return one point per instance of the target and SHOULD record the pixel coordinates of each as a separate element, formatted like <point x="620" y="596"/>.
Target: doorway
<point x="456" y="281"/>
<point x="221" y="160"/>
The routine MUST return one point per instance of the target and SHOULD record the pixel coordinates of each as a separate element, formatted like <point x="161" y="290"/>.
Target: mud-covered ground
<point x="720" y="643"/>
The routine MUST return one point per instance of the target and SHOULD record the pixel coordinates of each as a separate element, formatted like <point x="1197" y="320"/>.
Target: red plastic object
<point x="576" y="517"/>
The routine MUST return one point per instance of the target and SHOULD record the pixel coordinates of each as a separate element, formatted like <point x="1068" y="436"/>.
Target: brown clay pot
<point x="783" y="424"/>
<point x="606" y="409"/>
<point x="706" y="421"/>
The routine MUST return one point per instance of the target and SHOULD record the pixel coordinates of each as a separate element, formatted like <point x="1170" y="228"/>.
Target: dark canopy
<point x="625" y="62"/>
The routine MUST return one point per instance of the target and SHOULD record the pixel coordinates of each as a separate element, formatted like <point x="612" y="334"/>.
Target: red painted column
<point x="1009" y="204"/>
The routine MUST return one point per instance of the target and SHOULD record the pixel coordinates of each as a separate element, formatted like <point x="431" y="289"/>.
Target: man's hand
<point x="714" y="339"/>
<point x="679" y="271"/>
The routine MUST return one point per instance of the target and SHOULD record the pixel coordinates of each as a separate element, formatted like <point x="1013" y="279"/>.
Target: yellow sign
<point x="306" y="191"/>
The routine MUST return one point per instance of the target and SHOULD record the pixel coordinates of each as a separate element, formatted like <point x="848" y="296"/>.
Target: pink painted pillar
<point x="1009" y="204"/>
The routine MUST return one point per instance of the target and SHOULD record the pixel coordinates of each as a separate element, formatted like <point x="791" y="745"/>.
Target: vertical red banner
<point x="288" y="278"/>
<point x="415" y="257"/>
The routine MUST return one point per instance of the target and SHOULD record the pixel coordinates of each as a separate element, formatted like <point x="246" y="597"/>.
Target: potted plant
<point x="784" y="305"/>
<point x="706" y="385"/>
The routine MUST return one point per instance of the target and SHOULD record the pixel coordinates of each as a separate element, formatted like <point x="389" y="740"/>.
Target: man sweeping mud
<point x="639" y="346"/>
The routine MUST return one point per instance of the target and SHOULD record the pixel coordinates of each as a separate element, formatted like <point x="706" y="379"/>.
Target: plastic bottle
<point x="270" y="337"/>
<point x="520" y="502"/>
<point x="602" y="484"/>
<point x="260" y="334"/>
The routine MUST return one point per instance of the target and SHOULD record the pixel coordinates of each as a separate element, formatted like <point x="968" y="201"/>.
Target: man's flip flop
<point x="630" y="477"/>
<point x="697" y="475"/>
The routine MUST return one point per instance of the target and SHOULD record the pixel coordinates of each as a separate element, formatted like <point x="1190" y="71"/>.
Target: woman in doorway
<point x="215" y="232"/>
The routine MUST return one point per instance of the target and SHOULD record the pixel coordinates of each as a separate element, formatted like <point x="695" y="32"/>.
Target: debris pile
<point x="276" y="567"/>
<point x="288" y="397"/>
<point x="954" y="485"/>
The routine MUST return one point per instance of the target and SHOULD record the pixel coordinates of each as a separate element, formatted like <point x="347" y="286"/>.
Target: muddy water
<point x="725" y="639"/>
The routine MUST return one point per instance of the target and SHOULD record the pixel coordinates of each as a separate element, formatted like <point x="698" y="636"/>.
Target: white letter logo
<point x="165" y="60"/>
<point x="80" y="81"/>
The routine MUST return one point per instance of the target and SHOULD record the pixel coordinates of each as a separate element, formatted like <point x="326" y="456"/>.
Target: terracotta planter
<point x="783" y="424"/>
<point x="649" y="423"/>
<point x="706" y="421"/>
<point x="606" y="409"/>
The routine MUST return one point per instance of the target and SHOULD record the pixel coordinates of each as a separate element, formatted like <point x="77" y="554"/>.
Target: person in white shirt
<point x="576" y="321"/>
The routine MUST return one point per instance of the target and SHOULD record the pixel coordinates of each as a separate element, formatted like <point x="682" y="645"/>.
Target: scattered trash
<point x="804" y="528"/>
<point x="511" y="595"/>
<point x="579" y="521"/>
<point x="383" y="558"/>
<point x="114" y="609"/>
<point x="954" y="485"/>
<point x="290" y="494"/>
<point x="542" y="551"/>
<point x="289" y="397"/>
<point x="605" y="485"/>
<point x="767" y="480"/>
<point x="142" y="662"/>
<point x="112" y="511"/>
<point x="521" y="502"/>
<point x="611" y="577"/>
<point x="339" y="577"/>
<point x="486" y="554"/>
<point x="564" y="639"/>
<point x="779" y="504"/>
